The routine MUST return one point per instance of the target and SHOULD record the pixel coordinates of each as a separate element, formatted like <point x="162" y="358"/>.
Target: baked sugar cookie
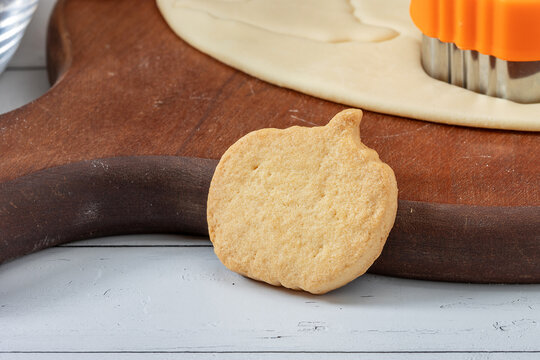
<point x="304" y="208"/>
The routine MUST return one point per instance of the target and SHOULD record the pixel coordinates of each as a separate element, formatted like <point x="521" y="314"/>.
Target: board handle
<point x="167" y="194"/>
<point x="121" y="195"/>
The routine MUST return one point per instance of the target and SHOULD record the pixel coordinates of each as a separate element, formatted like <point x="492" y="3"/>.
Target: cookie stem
<point x="347" y="123"/>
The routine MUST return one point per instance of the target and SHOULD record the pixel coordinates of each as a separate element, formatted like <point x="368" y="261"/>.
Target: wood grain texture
<point x="125" y="86"/>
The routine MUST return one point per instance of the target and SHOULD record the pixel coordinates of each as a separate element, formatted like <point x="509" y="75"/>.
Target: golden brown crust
<point x="305" y="208"/>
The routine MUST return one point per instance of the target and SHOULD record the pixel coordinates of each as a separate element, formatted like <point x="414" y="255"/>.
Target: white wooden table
<point x="167" y="296"/>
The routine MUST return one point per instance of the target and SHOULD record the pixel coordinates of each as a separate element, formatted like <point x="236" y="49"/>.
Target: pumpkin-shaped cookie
<point x="304" y="208"/>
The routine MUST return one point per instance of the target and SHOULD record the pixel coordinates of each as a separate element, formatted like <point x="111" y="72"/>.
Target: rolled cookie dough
<point x="363" y="53"/>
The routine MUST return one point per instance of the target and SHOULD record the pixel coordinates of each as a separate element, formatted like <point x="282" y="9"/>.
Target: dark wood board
<point x="127" y="139"/>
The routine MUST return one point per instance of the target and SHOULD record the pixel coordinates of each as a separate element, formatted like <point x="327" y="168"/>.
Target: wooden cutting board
<point x="127" y="139"/>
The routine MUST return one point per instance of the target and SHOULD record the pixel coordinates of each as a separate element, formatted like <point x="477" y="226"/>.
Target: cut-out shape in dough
<point x="383" y="74"/>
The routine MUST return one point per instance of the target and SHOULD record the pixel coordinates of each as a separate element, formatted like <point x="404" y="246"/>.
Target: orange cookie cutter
<point x="488" y="46"/>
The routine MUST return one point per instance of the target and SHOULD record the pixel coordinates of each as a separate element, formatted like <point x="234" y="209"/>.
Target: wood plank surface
<point x="29" y="85"/>
<point x="130" y="88"/>
<point x="274" y="355"/>
<point x="182" y="299"/>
